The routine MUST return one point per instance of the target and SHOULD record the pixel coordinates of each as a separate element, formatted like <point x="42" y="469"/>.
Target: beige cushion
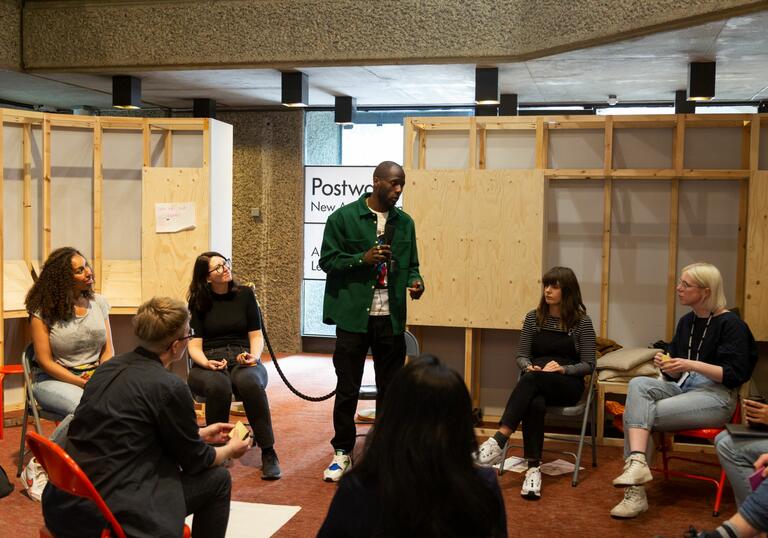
<point x="647" y="369"/>
<point x="626" y="358"/>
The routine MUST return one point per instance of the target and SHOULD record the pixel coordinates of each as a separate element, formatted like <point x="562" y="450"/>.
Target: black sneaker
<point x="270" y="466"/>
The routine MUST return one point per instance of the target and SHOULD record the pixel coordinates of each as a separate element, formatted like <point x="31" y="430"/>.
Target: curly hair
<point x="199" y="294"/>
<point x="50" y="296"/>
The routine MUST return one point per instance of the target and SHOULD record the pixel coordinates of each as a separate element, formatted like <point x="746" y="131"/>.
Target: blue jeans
<point x="55" y="396"/>
<point x="737" y="454"/>
<point x="659" y="405"/>
<point x="755" y="508"/>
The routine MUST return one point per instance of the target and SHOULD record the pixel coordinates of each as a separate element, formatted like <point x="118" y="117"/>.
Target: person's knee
<point x="221" y="480"/>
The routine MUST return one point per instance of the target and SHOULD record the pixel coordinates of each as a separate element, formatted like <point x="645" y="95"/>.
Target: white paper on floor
<point x="255" y="520"/>
<point x="558" y="467"/>
<point x="552" y="468"/>
<point x="514" y="464"/>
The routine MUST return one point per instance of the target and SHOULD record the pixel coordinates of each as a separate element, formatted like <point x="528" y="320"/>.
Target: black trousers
<point x="248" y="383"/>
<point x="528" y="401"/>
<point x="207" y="495"/>
<point x="349" y="360"/>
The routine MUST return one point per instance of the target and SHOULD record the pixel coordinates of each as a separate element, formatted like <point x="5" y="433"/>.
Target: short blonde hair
<point x="707" y="275"/>
<point x="159" y="320"/>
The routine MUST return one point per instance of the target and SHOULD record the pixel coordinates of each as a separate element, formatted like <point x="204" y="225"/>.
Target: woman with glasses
<point x="225" y="350"/>
<point x="711" y="354"/>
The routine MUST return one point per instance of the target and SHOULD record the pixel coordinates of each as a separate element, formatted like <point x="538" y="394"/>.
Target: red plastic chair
<point x="707" y="434"/>
<point x="66" y="475"/>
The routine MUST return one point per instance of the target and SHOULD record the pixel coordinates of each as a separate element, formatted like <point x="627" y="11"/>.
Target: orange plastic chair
<point x="66" y="475"/>
<point x="707" y="434"/>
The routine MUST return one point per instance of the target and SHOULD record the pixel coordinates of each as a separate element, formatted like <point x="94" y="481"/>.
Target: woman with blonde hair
<point x="711" y="354"/>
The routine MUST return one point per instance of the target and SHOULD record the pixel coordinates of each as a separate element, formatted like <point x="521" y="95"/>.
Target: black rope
<point x="280" y="370"/>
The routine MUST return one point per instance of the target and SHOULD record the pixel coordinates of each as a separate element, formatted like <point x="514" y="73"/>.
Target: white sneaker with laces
<point x="489" y="453"/>
<point x="339" y="465"/>
<point x="532" y="484"/>
<point x="633" y="504"/>
<point x="636" y="472"/>
<point x="34" y="479"/>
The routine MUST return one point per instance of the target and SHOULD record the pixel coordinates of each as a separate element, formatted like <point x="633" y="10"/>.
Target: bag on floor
<point x="34" y="479"/>
<point x="5" y="485"/>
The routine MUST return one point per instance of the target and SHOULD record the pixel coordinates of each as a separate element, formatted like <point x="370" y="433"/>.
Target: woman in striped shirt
<point x="556" y="351"/>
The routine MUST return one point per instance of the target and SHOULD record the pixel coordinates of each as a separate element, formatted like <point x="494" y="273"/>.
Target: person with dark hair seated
<point x="416" y="476"/>
<point x="135" y="435"/>
<point x="556" y="351"/>
<point x="226" y="352"/>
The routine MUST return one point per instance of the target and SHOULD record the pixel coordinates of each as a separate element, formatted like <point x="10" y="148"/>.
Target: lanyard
<point x="701" y="340"/>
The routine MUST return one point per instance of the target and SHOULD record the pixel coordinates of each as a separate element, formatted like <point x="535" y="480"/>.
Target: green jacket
<point x="349" y="232"/>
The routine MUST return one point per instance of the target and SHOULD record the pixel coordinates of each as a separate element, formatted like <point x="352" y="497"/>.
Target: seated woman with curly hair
<point x="70" y="330"/>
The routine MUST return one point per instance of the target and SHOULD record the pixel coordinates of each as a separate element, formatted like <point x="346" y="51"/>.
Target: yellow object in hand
<point x="240" y="431"/>
<point x="665" y="357"/>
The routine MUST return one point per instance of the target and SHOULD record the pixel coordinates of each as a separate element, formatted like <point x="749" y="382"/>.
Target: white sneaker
<point x="532" y="484"/>
<point x="633" y="504"/>
<point x="34" y="479"/>
<point x="338" y="467"/>
<point x="636" y="472"/>
<point x="489" y="453"/>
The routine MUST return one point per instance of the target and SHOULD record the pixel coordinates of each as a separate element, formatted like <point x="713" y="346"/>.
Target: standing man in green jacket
<point x="369" y="254"/>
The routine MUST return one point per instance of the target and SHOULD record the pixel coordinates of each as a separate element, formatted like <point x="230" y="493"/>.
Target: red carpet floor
<point x="303" y="431"/>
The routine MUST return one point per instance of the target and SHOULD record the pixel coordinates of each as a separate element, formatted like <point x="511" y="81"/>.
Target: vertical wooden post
<point x="472" y="143"/>
<point x="483" y="148"/>
<point x="168" y="148"/>
<point x="26" y="201"/>
<point x="146" y="136"/>
<point x="98" y="184"/>
<point x="206" y="143"/>
<point x="606" y="254"/>
<point x="750" y="160"/>
<point x="410" y="139"/>
<point x="678" y="161"/>
<point x="46" y="188"/>
<point x="542" y="140"/>
<point x="605" y="275"/>
<point x="422" y="149"/>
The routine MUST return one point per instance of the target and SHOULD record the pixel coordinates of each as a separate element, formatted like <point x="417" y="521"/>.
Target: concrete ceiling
<point x="644" y="69"/>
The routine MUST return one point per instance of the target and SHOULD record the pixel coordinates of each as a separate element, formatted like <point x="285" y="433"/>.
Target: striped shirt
<point x="583" y="336"/>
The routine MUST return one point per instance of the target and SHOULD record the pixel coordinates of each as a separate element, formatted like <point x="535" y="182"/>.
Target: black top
<point x="354" y="509"/>
<point x="232" y="316"/>
<point x="133" y="433"/>
<point x="728" y="343"/>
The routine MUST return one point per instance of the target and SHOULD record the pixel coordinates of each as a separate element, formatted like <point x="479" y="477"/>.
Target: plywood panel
<point x="576" y="148"/>
<point x="436" y="199"/>
<point x="446" y="149"/>
<point x="166" y="259"/>
<point x="506" y="218"/>
<point x="121" y="282"/>
<point x="756" y="281"/>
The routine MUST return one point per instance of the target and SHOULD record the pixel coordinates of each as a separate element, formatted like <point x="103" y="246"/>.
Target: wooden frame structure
<point x="121" y="278"/>
<point x="752" y="264"/>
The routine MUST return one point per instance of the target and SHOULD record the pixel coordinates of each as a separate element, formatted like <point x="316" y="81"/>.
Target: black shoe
<point x="270" y="466"/>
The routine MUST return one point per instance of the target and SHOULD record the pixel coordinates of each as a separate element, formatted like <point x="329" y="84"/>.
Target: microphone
<point x="389" y="235"/>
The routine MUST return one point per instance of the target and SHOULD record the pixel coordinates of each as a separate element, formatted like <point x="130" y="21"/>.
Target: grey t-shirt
<point x="79" y="341"/>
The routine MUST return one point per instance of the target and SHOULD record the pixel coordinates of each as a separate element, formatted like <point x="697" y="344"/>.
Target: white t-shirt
<point x="380" y="303"/>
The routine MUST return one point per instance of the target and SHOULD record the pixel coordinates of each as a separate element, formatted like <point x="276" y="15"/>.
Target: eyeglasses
<point x="685" y="285"/>
<point x="190" y="335"/>
<point x="220" y="268"/>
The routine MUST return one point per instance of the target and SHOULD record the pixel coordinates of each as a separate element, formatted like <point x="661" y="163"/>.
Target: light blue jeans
<point x="737" y="454"/>
<point x="659" y="405"/>
<point x="55" y="396"/>
<point x="755" y="508"/>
